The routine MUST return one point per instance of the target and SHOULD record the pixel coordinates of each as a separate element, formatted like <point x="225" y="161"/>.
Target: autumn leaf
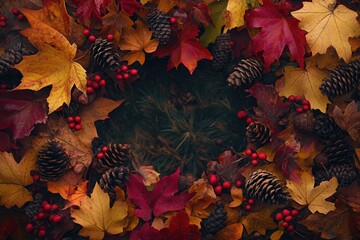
<point x="138" y="42"/>
<point x="349" y="120"/>
<point x="231" y="231"/>
<point x="277" y="31"/>
<point x="304" y="193"/>
<point x="5" y="143"/>
<point x="350" y="195"/>
<point x="90" y="8"/>
<point x="21" y="110"/>
<point x="237" y="196"/>
<point x="167" y="5"/>
<point x="234" y="15"/>
<point x="149" y="175"/>
<point x="184" y="48"/>
<point x="277" y="235"/>
<point x="328" y="24"/>
<point x="130" y="6"/>
<point x="116" y="19"/>
<point x="160" y="200"/>
<point x="97" y="218"/>
<point x="14" y="177"/>
<point x="144" y="233"/>
<point x="260" y="219"/>
<point x="75" y="194"/>
<point x="306" y="83"/>
<point x="57" y="54"/>
<point x="200" y="12"/>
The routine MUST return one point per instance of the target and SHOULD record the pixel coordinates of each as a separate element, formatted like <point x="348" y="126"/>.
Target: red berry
<point x="102" y="83"/>
<point x="306" y="108"/>
<point x="77" y="119"/>
<point x="47" y="207"/>
<point x="104" y="149"/>
<point x="213" y="179"/>
<point x="51" y="217"/>
<point x="126" y="76"/>
<point x="294" y="212"/>
<point x="241" y="114"/>
<point x="218" y="189"/>
<point x="288" y="218"/>
<point x="251" y="201"/>
<point x="97" y="78"/>
<point x="36" y="177"/>
<point x="86" y="32"/>
<point x="44" y="203"/>
<point x="291" y="98"/>
<point x="15" y="11"/>
<point x="124" y="68"/>
<point x="92" y="38"/>
<point x="2" y="18"/>
<point x="20" y="17"/>
<point x="36" y="218"/>
<point x="95" y="85"/>
<point x="232" y="43"/>
<point x="305" y="102"/>
<point x="279" y="217"/>
<point x="88" y="83"/>
<point x="297" y="98"/>
<point x="299" y="110"/>
<point x="248" y="152"/>
<point x="248" y="207"/>
<point x="226" y="184"/>
<point x="118" y="70"/>
<point x="3" y="86"/>
<point x="71" y="125"/>
<point x="290" y="228"/>
<point x="119" y="77"/>
<point x="244" y="199"/>
<point x="57" y="219"/>
<point x="238" y="183"/>
<point x="285" y="224"/>
<point x="172" y="20"/>
<point x="99" y="155"/>
<point x="42" y="233"/>
<point x="89" y="90"/>
<point x="254" y="162"/>
<point x="41" y="216"/>
<point x="286" y="212"/>
<point x="78" y="127"/>
<point x="29" y="227"/>
<point x="254" y="156"/>
<point x="249" y="120"/>
<point x="262" y="156"/>
<point x="2" y="24"/>
<point x="133" y="72"/>
<point x="70" y="119"/>
<point x="110" y="37"/>
<point x="54" y="207"/>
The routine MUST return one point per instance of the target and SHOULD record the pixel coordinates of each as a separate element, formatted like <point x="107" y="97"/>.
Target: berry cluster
<point x="124" y="73"/>
<point x="94" y="83"/>
<point x="214" y="180"/>
<point x="255" y="157"/>
<point x="248" y="203"/>
<point x="48" y="214"/>
<point x="100" y="154"/>
<point x="302" y="105"/>
<point x="2" y="21"/>
<point x="18" y="15"/>
<point x="74" y="122"/>
<point x="286" y="218"/>
<point x="244" y="115"/>
<point x="92" y="37"/>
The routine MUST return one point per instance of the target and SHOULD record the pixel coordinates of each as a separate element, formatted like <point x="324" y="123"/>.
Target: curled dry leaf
<point x="349" y="120"/>
<point x="234" y="15"/>
<point x="237" y="196"/>
<point x="149" y="175"/>
<point x="75" y="195"/>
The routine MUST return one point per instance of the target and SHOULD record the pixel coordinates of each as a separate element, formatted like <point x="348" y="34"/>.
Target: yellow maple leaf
<point x="328" y="26"/>
<point x="260" y="219"/>
<point x="304" y="193"/>
<point x="138" y="42"/>
<point x="234" y="16"/>
<point x="305" y="83"/>
<point x="75" y="194"/>
<point x="52" y="66"/>
<point x="14" y="177"/>
<point x="96" y="217"/>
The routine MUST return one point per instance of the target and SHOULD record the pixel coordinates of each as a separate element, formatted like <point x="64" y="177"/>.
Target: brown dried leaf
<point x="351" y="196"/>
<point x="237" y="196"/>
<point x="260" y="219"/>
<point x="349" y="120"/>
<point x="232" y="231"/>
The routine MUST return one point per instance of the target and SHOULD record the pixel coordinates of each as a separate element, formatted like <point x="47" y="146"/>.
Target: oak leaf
<point x="328" y="24"/>
<point x="138" y="42"/>
<point x="97" y="218"/>
<point x="260" y="219"/>
<point x="349" y="120"/>
<point x="304" y="82"/>
<point x="14" y="177"/>
<point x="234" y="15"/>
<point x="304" y="193"/>
<point x="53" y="66"/>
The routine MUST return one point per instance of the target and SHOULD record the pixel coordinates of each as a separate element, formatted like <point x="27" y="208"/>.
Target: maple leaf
<point x="5" y="143"/>
<point x="97" y="218"/>
<point x="234" y="15"/>
<point x="305" y="83"/>
<point x="21" y="110"/>
<point x="118" y="20"/>
<point x="129" y="6"/>
<point x="75" y="194"/>
<point x="90" y="8"/>
<point x="53" y="66"/>
<point x="260" y="219"/>
<point x="14" y="177"/>
<point x="231" y="231"/>
<point x="349" y="120"/>
<point x="184" y="48"/>
<point x="144" y="233"/>
<point x="304" y="193"/>
<point x="327" y="26"/>
<point x="200" y="13"/>
<point x="160" y="200"/>
<point x="277" y="31"/>
<point x="138" y="42"/>
<point x="180" y="228"/>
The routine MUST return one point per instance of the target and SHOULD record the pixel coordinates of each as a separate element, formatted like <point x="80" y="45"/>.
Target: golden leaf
<point x="277" y="234"/>
<point x="232" y="231"/>
<point x="260" y="219"/>
<point x="118" y="20"/>
<point x="304" y="193"/>
<point x="237" y="196"/>
<point x="328" y="26"/>
<point x="14" y="177"/>
<point x="234" y="16"/>
<point x="74" y="194"/>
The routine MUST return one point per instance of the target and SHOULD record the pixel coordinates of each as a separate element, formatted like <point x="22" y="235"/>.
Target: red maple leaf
<point x="180" y="228"/>
<point x="278" y="29"/>
<point x="20" y="111"/>
<point x="129" y="6"/>
<point x="144" y="233"/>
<point x="5" y="144"/>
<point x="90" y="8"/>
<point x="285" y="160"/>
<point x="184" y="47"/>
<point x="200" y="12"/>
<point x="161" y="199"/>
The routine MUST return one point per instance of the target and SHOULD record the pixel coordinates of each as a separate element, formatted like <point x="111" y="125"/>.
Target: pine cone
<point x="258" y="134"/>
<point x="245" y="73"/>
<point x="102" y="52"/>
<point x="33" y="208"/>
<point x="113" y="178"/>
<point x="305" y="122"/>
<point x="342" y="80"/>
<point x="159" y="23"/>
<point x="266" y="187"/>
<point x="214" y="222"/>
<point x="52" y="161"/>
<point x="345" y="174"/>
<point x="326" y="127"/>
<point x="117" y="155"/>
<point x="338" y="151"/>
<point x="13" y="56"/>
<point x="71" y="110"/>
<point x="221" y="51"/>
